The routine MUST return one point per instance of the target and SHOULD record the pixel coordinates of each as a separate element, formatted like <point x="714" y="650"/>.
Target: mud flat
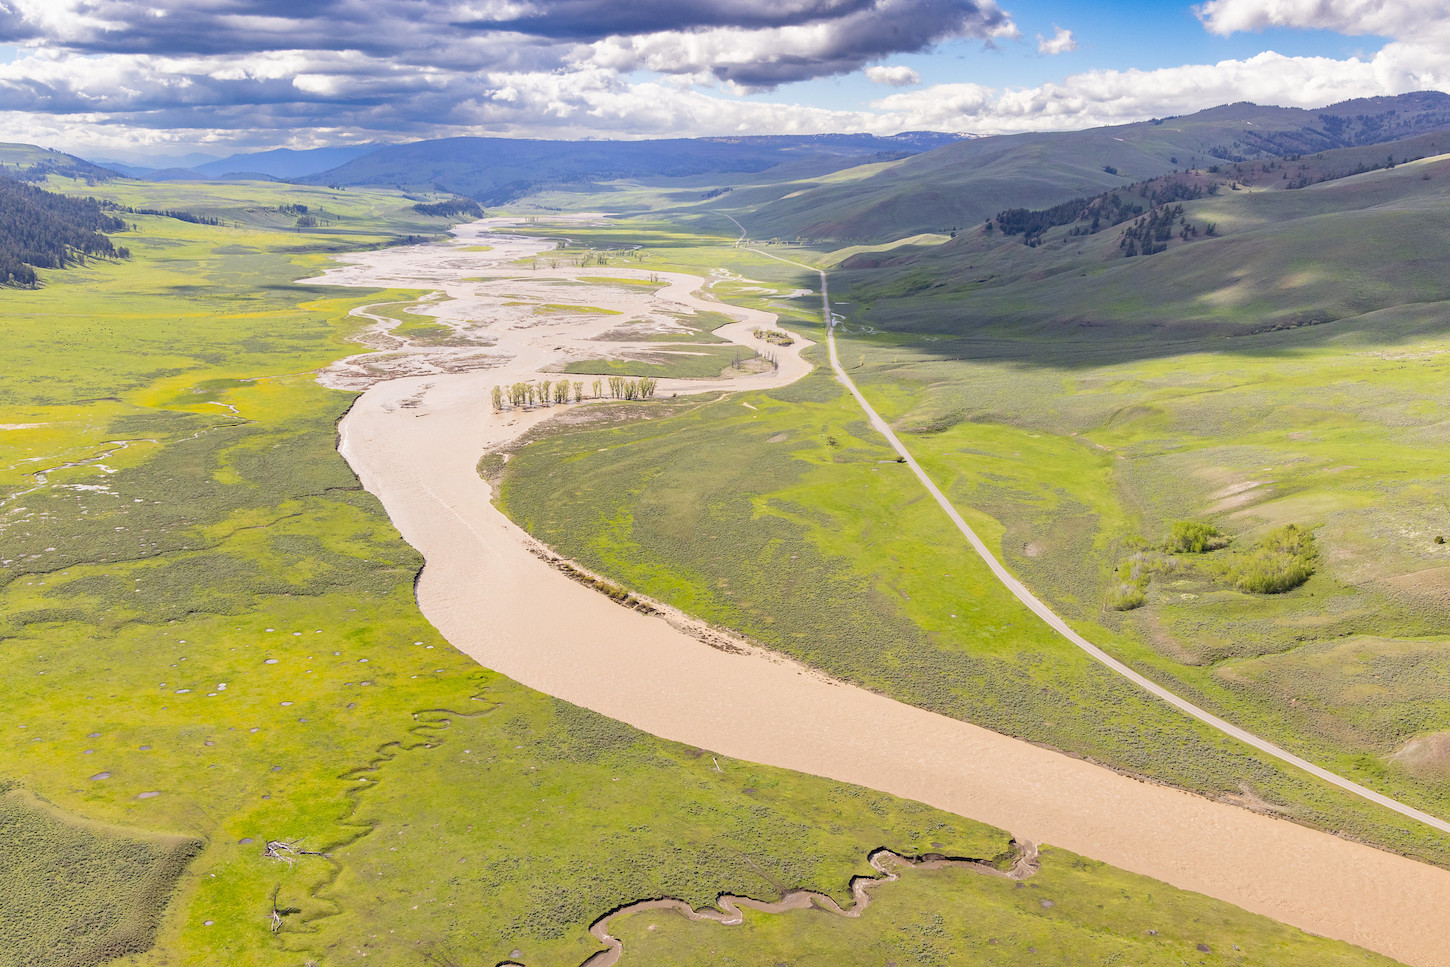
<point x="414" y="441"/>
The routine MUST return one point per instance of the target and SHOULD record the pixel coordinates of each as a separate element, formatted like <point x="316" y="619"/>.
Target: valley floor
<point x="415" y="438"/>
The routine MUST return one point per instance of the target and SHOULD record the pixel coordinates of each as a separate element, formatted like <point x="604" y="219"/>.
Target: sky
<point x="128" y="79"/>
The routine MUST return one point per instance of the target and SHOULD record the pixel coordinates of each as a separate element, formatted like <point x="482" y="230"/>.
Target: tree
<point x="578" y="391"/>
<point x="497" y="398"/>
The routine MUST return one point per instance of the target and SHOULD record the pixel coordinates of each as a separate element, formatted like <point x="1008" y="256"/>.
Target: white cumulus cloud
<point x="1389" y="18"/>
<point x="1059" y="43"/>
<point x="896" y="75"/>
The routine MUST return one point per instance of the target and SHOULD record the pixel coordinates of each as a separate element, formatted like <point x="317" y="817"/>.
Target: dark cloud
<point x="766" y="58"/>
<point x="854" y="41"/>
<point x="586" y="20"/>
<point x="384" y="68"/>
<point x="418" y="29"/>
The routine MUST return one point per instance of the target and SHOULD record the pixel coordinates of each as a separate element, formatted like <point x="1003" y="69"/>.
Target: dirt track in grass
<point x="415" y="441"/>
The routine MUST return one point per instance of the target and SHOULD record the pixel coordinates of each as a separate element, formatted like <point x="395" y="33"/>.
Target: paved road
<point x="1060" y="626"/>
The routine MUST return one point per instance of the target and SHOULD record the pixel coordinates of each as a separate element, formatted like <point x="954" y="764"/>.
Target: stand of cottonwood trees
<point x="545" y="392"/>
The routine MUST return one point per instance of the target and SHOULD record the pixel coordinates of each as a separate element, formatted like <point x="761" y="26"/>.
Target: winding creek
<point x="414" y="439"/>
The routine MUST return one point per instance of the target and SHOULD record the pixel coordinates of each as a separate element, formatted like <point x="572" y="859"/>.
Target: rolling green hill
<point x="26" y="162"/>
<point x="962" y="184"/>
<point x="1277" y="259"/>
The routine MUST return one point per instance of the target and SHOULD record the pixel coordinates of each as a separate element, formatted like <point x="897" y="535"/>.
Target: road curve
<point x="1051" y="617"/>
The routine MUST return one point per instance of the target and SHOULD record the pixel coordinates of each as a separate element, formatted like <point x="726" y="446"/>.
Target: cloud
<point x="803" y="38"/>
<point x="1096" y="98"/>
<point x="1060" y="42"/>
<point x="395" y="68"/>
<point x="114" y="74"/>
<point x="590" y="20"/>
<point x="1387" y="18"/>
<point x="767" y="57"/>
<point x="897" y="75"/>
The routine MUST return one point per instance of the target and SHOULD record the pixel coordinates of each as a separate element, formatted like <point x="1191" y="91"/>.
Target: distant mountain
<point x="495" y="170"/>
<point x="282" y="162"/>
<point x="133" y="169"/>
<point x="962" y="184"/>
<point x="275" y="165"/>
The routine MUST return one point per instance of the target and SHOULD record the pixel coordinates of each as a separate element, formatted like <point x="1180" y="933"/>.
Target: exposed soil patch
<point x="1427" y="755"/>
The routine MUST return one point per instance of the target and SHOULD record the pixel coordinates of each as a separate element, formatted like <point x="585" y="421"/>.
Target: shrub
<point x="1126" y="596"/>
<point x="1282" y="561"/>
<point x="1194" y="537"/>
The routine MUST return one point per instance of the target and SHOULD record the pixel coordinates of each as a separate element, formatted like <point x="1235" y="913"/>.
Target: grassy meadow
<point x="211" y="651"/>
<point x="1075" y="911"/>
<point x="211" y="644"/>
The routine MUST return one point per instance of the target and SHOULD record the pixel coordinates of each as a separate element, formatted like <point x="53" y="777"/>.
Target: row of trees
<point x="587" y="257"/>
<point x="176" y="213"/>
<point x="450" y="208"/>
<point x="546" y="392"/>
<point x="42" y="229"/>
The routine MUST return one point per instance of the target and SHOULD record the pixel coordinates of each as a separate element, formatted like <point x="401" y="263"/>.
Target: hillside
<point x="26" y="162"/>
<point x="495" y="170"/>
<point x="1256" y="259"/>
<point x="40" y="229"/>
<point x="962" y="184"/>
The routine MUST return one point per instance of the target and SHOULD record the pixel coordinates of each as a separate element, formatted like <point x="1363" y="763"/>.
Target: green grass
<point x="1329" y="433"/>
<point x="1073" y="911"/>
<point x="687" y="327"/>
<point x="664" y="820"/>
<point x="79" y="893"/>
<point x="227" y="544"/>
<point x="555" y="308"/>
<point x="416" y="327"/>
<point x="791" y="522"/>
<point x="627" y="283"/>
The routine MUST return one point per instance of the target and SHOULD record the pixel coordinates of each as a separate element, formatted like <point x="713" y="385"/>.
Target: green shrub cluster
<point x="1194" y="537"/>
<point x="1127" y="595"/>
<point x="1281" y="561"/>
